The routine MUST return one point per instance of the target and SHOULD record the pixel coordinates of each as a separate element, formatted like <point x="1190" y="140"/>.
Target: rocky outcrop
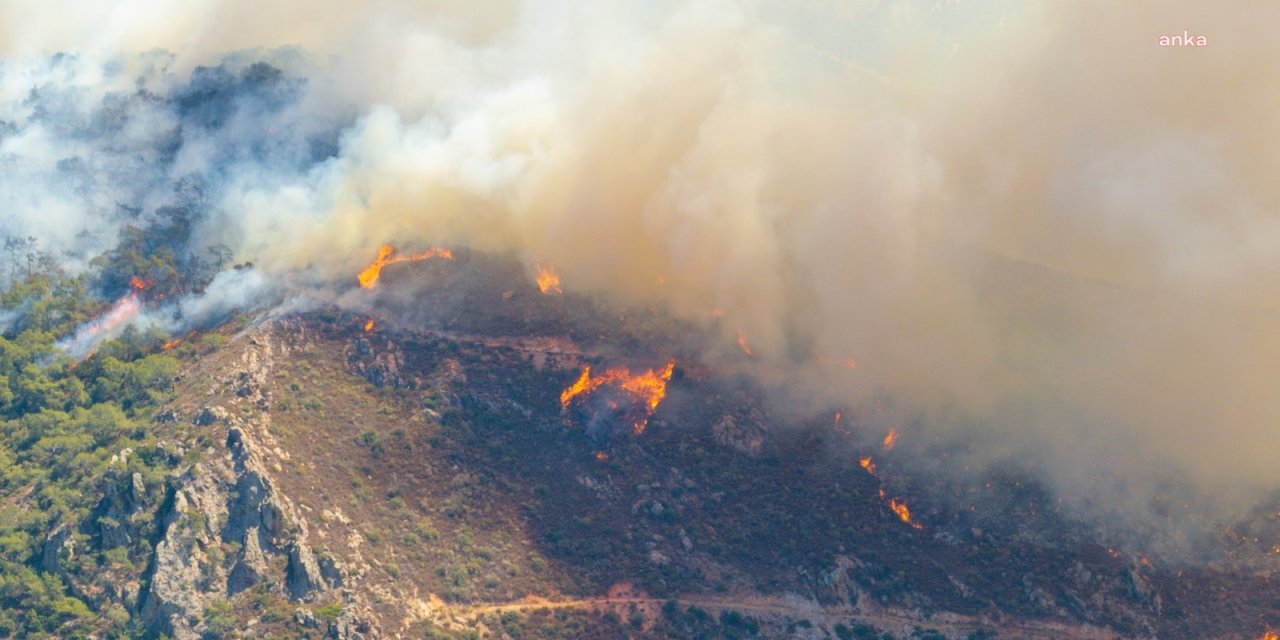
<point x="302" y="575"/>
<point x="251" y="567"/>
<point x="742" y="435"/>
<point x="224" y="520"/>
<point x="59" y="549"/>
<point x="123" y="495"/>
<point x="379" y="361"/>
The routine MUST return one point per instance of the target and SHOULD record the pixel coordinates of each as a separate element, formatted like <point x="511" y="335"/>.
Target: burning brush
<point x="387" y="255"/>
<point x="548" y="280"/>
<point x="617" y="397"/>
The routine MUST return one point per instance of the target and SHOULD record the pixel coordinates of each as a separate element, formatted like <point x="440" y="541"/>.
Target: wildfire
<point x="742" y="343"/>
<point x="601" y="456"/>
<point x="84" y="341"/>
<point x="890" y="439"/>
<point x="548" y="280"/>
<point x="896" y="505"/>
<point x="388" y="256"/>
<point x="900" y="509"/>
<point x="169" y="344"/>
<point x="368" y="324"/>
<point x="136" y="283"/>
<point x="1270" y="635"/>
<point x="648" y="388"/>
<point x="867" y="463"/>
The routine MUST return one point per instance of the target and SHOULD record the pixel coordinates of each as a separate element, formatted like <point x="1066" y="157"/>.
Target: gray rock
<point x="210" y="415"/>
<point x="304" y="618"/>
<point x="251" y="568"/>
<point x="303" y="578"/>
<point x="59" y="549"/>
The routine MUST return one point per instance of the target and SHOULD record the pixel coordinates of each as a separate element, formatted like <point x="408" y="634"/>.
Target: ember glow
<point x="369" y="324"/>
<point x="646" y="389"/>
<point x="548" y="280"/>
<point x="169" y="344"/>
<point x="1271" y="635"/>
<point x="867" y="463"/>
<point x="742" y="343"/>
<point x="387" y="256"/>
<point x="890" y="439"/>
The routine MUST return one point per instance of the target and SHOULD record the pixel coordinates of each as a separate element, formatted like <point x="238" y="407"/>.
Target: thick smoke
<point x="1027" y="222"/>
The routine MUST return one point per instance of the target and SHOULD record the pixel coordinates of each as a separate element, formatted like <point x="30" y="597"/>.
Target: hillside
<point x="356" y="475"/>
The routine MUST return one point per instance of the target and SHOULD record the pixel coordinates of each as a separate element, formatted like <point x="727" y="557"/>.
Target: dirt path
<point x="622" y="601"/>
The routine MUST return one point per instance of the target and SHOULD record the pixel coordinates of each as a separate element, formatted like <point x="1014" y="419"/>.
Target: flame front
<point x="548" y="280"/>
<point x="1270" y="635"/>
<point x="647" y="389"/>
<point x="387" y="256"/>
<point x="899" y="508"/>
<point x="368" y="324"/>
<point x="896" y="505"/>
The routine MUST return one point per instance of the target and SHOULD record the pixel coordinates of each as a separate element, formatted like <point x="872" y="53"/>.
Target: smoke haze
<point x="1027" y="222"/>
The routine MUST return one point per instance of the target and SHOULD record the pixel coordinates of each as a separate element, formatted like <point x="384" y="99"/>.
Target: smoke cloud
<point x="1029" y="223"/>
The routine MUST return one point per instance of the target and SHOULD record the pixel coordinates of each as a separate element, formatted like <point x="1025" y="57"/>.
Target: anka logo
<point x="1184" y="39"/>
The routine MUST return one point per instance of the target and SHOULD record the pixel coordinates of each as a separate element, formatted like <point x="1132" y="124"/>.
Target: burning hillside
<point x="368" y="277"/>
<point x="1029" y="279"/>
<point x="631" y="399"/>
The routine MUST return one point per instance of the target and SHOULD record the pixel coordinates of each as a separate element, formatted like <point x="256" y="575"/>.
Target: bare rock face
<point x="251" y="568"/>
<point x="59" y="549"/>
<point x="227" y="501"/>
<point x="122" y="497"/>
<point x="175" y="599"/>
<point x="302" y="575"/>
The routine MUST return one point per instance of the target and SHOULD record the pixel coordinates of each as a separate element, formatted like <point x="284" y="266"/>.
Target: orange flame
<point x="868" y="464"/>
<point x="899" y="508"/>
<point x="136" y="283"/>
<point x="1271" y="635"/>
<point x="904" y="514"/>
<point x="648" y="388"/>
<point x="837" y="417"/>
<point x="387" y="256"/>
<point x="890" y="439"/>
<point x="601" y="456"/>
<point x="742" y="342"/>
<point x="169" y="344"/>
<point x="548" y="280"/>
<point x="368" y="324"/>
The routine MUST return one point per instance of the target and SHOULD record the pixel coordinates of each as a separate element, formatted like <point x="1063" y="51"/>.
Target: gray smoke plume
<point x="1027" y="222"/>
